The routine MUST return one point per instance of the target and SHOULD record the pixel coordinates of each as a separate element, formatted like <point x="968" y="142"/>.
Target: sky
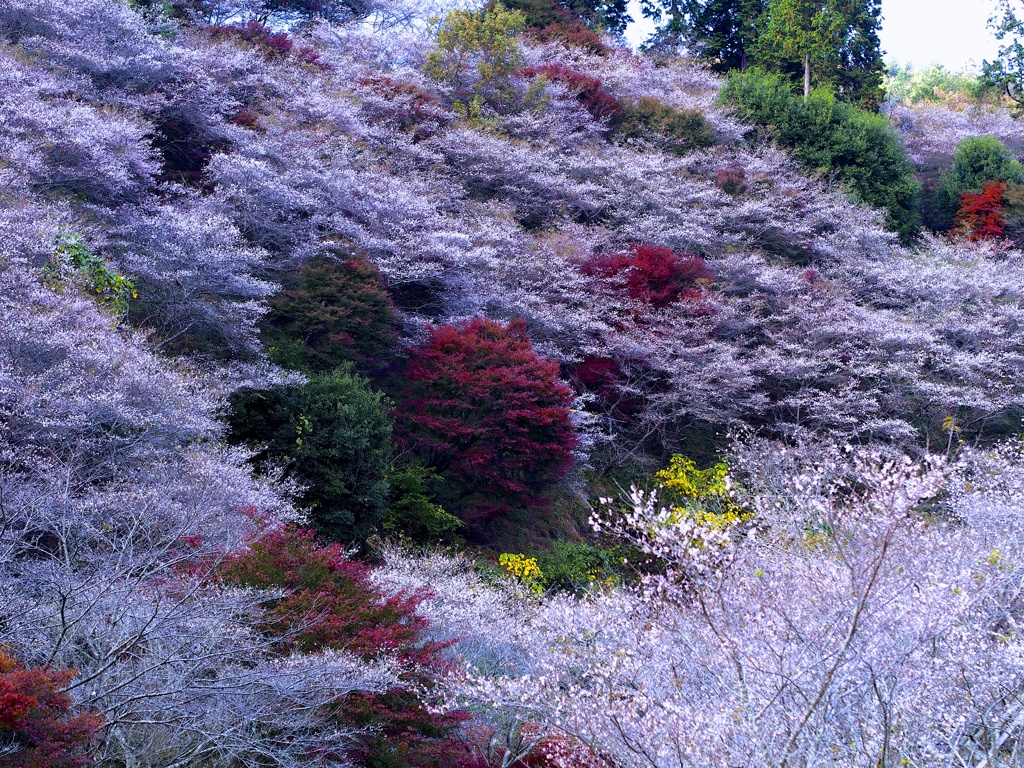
<point x="918" y="32"/>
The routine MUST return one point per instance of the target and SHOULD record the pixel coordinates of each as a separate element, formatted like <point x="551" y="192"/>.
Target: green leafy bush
<point x="331" y="312"/>
<point x="333" y="435"/>
<point x="411" y="514"/>
<point x="976" y="160"/>
<point x="855" y="147"/>
<point x="74" y="263"/>
<point x="576" y="566"/>
<point x="677" y="130"/>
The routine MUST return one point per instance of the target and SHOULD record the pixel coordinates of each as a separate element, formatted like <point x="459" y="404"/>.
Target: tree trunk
<point x="807" y="76"/>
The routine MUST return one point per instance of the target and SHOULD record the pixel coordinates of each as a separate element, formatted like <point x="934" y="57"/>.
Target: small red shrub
<point x="732" y="179"/>
<point x="489" y="415"/>
<point x="34" y="718"/>
<point x="654" y="274"/>
<point x="309" y="54"/>
<point x="981" y="215"/>
<point x="245" y="118"/>
<point x="574" y="34"/>
<point x="276" y="43"/>
<point x="599" y="103"/>
<point x="332" y="604"/>
<point x="410" y="106"/>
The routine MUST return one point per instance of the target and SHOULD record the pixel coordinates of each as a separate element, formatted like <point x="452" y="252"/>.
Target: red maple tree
<point x="331" y="604"/>
<point x="654" y="274"/>
<point x="36" y="729"/>
<point x="489" y="414"/>
<point x="981" y="214"/>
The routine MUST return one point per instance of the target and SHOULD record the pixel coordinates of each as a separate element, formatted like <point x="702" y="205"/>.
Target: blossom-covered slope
<point x="161" y="179"/>
<point x="204" y="165"/>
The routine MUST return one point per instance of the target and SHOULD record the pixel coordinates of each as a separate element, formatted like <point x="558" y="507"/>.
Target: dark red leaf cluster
<point x="278" y="45"/>
<point x="331" y="604"/>
<point x="598" y="102"/>
<point x="557" y="751"/>
<point x="603" y="377"/>
<point x="245" y="118"/>
<point x="982" y="215"/>
<point x="489" y="415"/>
<point x="35" y="720"/>
<point x="654" y="274"/>
<point x="574" y="34"/>
<point x="731" y="179"/>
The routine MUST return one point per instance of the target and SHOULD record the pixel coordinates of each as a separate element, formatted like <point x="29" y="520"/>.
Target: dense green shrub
<point x="411" y="514"/>
<point x="677" y="130"/>
<point x="331" y="312"/>
<point x="333" y="435"/>
<point x="576" y="566"/>
<point x="976" y="160"/>
<point x="853" y="146"/>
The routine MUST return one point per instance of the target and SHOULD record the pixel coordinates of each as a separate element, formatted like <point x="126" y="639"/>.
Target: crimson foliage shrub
<point x="331" y="604"/>
<point x="36" y="729"/>
<point x="731" y="179"/>
<point x="654" y="274"/>
<point x="603" y="377"/>
<point x="408" y="107"/>
<point x="489" y="415"/>
<point x="981" y="215"/>
<point x="552" y="21"/>
<point x="599" y="103"/>
<point x="279" y="45"/>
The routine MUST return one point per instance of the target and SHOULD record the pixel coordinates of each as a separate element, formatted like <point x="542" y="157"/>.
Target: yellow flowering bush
<point x="524" y="570"/>
<point x="702" y="494"/>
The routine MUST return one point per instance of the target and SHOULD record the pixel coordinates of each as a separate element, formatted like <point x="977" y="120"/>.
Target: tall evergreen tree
<point x="721" y="32"/>
<point x="861" y="67"/>
<point x="831" y="43"/>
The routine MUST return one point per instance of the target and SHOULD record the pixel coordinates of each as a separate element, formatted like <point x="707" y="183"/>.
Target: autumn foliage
<point x="654" y="274"/>
<point x="36" y="729"/>
<point x="331" y="604"/>
<point x="598" y="102"/>
<point x="489" y="414"/>
<point x="981" y="215"/>
<point x="273" y="44"/>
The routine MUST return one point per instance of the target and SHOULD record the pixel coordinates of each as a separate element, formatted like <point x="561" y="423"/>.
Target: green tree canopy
<point x="821" y="43"/>
<point x="1007" y="70"/>
<point x="332" y="435"/>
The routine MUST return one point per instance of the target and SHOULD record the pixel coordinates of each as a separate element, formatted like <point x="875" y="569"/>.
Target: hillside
<point x="372" y="280"/>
